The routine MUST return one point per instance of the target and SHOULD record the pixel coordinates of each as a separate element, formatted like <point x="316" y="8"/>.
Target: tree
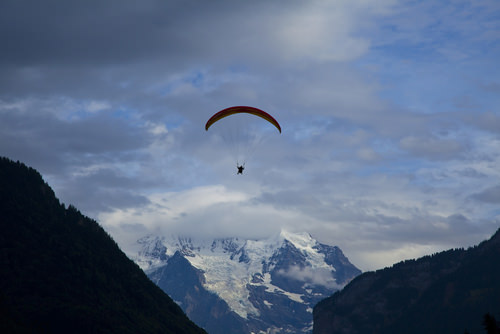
<point x="490" y="324"/>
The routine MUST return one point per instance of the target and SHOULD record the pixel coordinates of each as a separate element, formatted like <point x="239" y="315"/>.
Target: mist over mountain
<point x="233" y="285"/>
<point x="448" y="292"/>
<point x="60" y="272"/>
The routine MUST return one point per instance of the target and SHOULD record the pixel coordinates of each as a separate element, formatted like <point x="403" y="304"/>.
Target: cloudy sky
<point x="390" y="115"/>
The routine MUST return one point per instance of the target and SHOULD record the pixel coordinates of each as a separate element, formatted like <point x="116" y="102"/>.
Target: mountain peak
<point x="301" y="240"/>
<point x="258" y="280"/>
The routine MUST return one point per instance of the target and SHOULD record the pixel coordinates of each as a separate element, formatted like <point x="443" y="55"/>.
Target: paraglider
<point x="238" y="133"/>
<point x="242" y="109"/>
<point x="240" y="168"/>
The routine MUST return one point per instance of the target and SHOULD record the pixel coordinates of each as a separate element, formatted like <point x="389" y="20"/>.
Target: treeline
<point x="490" y="324"/>
<point x="447" y="292"/>
<point x="60" y="272"/>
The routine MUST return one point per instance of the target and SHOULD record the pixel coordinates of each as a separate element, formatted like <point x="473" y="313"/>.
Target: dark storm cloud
<point x="489" y="195"/>
<point x="112" y="49"/>
<point x="53" y="144"/>
<point x="81" y="47"/>
<point x="102" y="190"/>
<point x="61" y="33"/>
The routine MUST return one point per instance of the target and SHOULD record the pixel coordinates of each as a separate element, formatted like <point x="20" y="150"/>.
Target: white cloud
<point x="313" y="276"/>
<point x="96" y="106"/>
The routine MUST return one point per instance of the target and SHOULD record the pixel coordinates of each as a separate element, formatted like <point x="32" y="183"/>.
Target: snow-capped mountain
<point x="246" y="286"/>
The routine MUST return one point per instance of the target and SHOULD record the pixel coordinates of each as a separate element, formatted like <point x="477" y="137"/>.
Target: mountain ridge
<point x="447" y="292"/>
<point x="61" y="272"/>
<point x="264" y="285"/>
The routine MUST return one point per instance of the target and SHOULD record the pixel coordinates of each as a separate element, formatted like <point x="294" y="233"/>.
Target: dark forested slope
<point x="60" y="272"/>
<point x="449" y="292"/>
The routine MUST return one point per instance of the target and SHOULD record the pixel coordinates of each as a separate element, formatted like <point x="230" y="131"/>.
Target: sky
<point x="389" y="111"/>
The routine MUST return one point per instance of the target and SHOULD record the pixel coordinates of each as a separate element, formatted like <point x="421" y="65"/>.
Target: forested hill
<point x="60" y="272"/>
<point x="449" y="292"/>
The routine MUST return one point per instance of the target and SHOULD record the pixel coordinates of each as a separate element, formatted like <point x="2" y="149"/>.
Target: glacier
<point x="256" y="277"/>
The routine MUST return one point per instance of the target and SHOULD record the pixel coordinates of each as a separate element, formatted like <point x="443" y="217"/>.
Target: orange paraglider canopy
<point x="242" y="109"/>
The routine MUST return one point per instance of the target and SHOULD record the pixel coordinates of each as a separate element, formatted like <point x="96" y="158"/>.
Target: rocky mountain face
<point x="60" y="272"/>
<point x="448" y="292"/>
<point x="246" y="286"/>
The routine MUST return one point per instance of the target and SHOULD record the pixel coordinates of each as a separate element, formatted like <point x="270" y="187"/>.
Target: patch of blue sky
<point x="194" y="78"/>
<point x="175" y="121"/>
<point x="197" y="79"/>
<point x="430" y="87"/>
<point x="72" y="110"/>
<point x="385" y="147"/>
<point x="403" y="168"/>
<point x="316" y="126"/>
<point x="132" y="116"/>
<point x="202" y="80"/>
<point x="392" y="162"/>
<point x="238" y="68"/>
<point x="494" y="214"/>
<point x="125" y="114"/>
<point x="437" y="55"/>
<point x="77" y="115"/>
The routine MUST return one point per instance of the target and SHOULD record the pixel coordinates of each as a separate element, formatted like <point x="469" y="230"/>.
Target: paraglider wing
<point x="242" y="109"/>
